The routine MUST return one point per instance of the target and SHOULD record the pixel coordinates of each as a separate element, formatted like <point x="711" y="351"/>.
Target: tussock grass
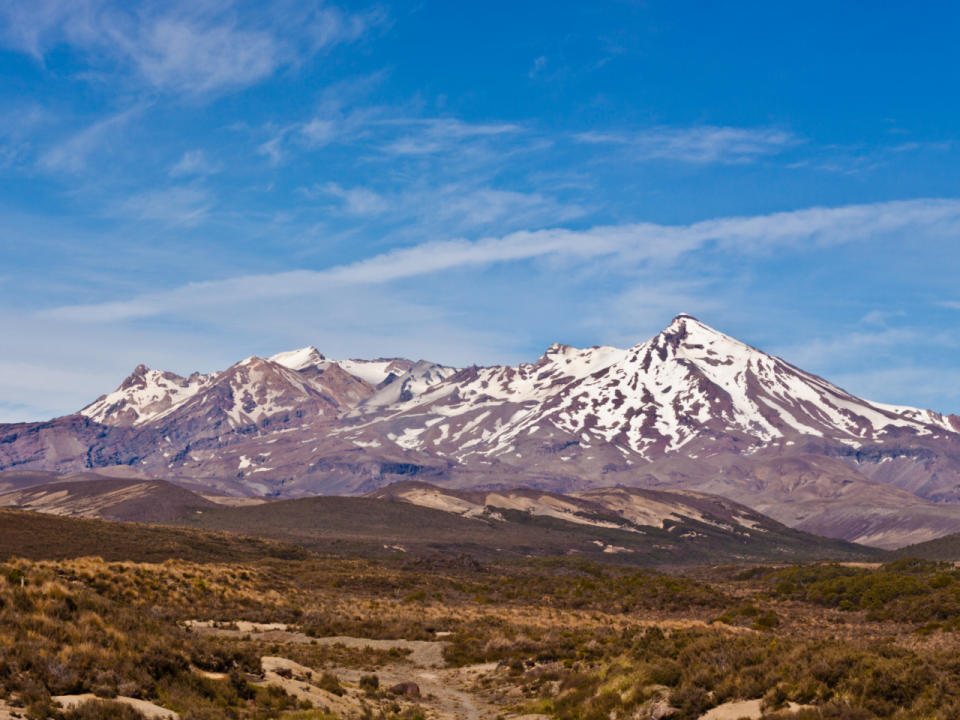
<point x="573" y="640"/>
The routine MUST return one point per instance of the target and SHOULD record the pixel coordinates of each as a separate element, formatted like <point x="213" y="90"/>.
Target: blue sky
<point x="187" y="183"/>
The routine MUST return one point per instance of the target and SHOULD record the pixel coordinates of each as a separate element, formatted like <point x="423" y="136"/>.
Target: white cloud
<point x="186" y="56"/>
<point x="192" y="48"/>
<point x="933" y="388"/>
<point x="850" y="346"/>
<point x="431" y="136"/>
<point x="462" y="208"/>
<point x="358" y="201"/>
<point x="194" y="162"/>
<point x="73" y="154"/>
<point x="389" y="134"/>
<point x="319" y="132"/>
<point x="450" y="209"/>
<point x="538" y="65"/>
<point x="171" y="206"/>
<point x="880" y="318"/>
<point x="634" y="245"/>
<point x="273" y="148"/>
<point x="699" y="145"/>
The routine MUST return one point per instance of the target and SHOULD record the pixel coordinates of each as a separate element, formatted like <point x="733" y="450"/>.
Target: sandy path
<point x="445" y="693"/>
<point x="423" y="653"/>
<point x="147" y="708"/>
<point x="742" y="709"/>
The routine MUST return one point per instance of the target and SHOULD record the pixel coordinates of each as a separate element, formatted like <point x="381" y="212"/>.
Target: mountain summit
<point x="690" y="408"/>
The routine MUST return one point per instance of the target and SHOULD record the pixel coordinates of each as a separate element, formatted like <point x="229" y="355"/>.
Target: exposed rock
<point x="407" y="689"/>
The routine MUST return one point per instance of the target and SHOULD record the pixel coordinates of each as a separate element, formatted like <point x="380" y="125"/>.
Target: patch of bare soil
<point x="442" y="693"/>
<point x="742" y="709"/>
<point x="422" y="653"/>
<point x="147" y="708"/>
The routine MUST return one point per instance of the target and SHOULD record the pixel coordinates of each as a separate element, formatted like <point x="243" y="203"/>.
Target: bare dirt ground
<point x="444" y="693"/>
<point x="742" y="709"/>
<point x="155" y="712"/>
<point x="422" y="653"/>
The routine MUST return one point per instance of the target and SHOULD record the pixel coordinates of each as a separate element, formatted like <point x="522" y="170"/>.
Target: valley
<point x="279" y="634"/>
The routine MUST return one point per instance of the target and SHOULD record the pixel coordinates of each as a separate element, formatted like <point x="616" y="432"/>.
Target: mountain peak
<point x="688" y="331"/>
<point x="558" y="349"/>
<point x="299" y="359"/>
<point x="685" y="323"/>
<point x="138" y="378"/>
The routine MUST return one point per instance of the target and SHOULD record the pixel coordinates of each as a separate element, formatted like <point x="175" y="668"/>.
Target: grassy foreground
<point x="567" y="639"/>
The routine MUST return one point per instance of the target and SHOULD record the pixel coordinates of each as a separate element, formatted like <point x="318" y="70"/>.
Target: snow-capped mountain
<point x="690" y="407"/>
<point x="303" y="382"/>
<point x="689" y="389"/>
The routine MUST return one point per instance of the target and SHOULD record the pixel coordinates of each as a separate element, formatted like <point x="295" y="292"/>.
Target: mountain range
<point x="690" y="409"/>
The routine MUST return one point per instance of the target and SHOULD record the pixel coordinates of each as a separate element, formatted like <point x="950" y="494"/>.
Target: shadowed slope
<point x="369" y="525"/>
<point x="39" y="536"/>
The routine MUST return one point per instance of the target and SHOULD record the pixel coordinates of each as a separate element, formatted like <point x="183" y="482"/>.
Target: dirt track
<point x="445" y="693"/>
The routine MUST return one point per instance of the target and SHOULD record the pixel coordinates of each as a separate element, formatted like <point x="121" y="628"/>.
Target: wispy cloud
<point x="698" y="145"/>
<point x="849" y="346"/>
<point x="190" y="48"/>
<point x="194" y="162"/>
<point x="452" y="207"/>
<point x="357" y="201"/>
<point x="72" y="154"/>
<point x="861" y="158"/>
<point x="430" y="136"/>
<point x="184" y="55"/>
<point x="170" y="206"/>
<point x="881" y="318"/>
<point x="537" y="67"/>
<point x="388" y="133"/>
<point x="634" y="245"/>
<point x="339" y="117"/>
<point x="935" y="388"/>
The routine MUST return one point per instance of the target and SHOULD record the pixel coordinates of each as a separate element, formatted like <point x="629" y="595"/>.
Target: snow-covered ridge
<point x="144" y="396"/>
<point x="256" y="388"/>
<point x="300" y="359"/>
<point x="685" y="390"/>
<point x="688" y="384"/>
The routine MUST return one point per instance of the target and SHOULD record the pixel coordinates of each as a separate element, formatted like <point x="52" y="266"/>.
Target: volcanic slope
<point x="109" y="499"/>
<point x="659" y="528"/>
<point x="41" y="536"/>
<point x="689" y="408"/>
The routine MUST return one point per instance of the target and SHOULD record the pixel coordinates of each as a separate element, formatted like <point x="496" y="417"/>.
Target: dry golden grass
<point x="574" y="641"/>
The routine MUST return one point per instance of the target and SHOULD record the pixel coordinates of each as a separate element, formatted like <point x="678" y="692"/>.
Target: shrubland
<point x="571" y="639"/>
